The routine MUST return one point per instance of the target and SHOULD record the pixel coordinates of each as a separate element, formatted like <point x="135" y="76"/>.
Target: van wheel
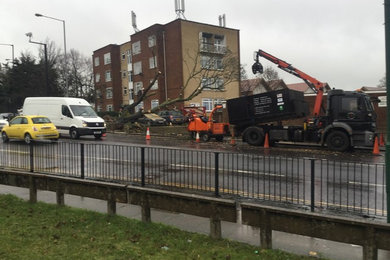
<point x="27" y="138"/>
<point x="4" y="136"/>
<point x="74" y="134"/>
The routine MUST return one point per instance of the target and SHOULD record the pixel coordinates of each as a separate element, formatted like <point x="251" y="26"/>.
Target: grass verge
<point x="45" y="231"/>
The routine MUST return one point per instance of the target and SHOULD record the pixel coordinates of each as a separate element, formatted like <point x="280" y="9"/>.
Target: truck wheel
<point x="73" y="133"/>
<point x="219" y="138"/>
<point x="254" y="136"/>
<point x="205" y="137"/>
<point x="338" y="141"/>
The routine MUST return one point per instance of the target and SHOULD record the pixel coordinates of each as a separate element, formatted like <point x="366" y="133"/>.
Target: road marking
<point x="227" y="170"/>
<point x="365" y="184"/>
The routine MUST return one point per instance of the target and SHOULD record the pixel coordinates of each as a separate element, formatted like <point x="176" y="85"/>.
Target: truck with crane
<point x="348" y="120"/>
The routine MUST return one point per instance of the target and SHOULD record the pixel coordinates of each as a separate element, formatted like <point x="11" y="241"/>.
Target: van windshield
<point x="84" y="111"/>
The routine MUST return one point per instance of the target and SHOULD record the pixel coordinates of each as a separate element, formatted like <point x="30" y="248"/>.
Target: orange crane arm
<point x="316" y="85"/>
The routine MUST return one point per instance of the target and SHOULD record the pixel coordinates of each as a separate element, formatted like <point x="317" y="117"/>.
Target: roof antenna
<point x="179" y="9"/>
<point x="134" y="21"/>
<point x="222" y="20"/>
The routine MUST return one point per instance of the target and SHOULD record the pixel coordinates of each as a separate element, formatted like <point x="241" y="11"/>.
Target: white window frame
<point x="97" y="61"/>
<point x="153" y="62"/>
<point x="152" y="41"/>
<point x="107" y="58"/>
<point x="138" y="86"/>
<point x="154" y="103"/>
<point x="109" y="93"/>
<point x="109" y="107"/>
<point x="155" y="85"/>
<point x="108" y="75"/>
<point x="97" y="77"/>
<point x="137" y="68"/>
<point x="136" y="47"/>
<point x="208" y="104"/>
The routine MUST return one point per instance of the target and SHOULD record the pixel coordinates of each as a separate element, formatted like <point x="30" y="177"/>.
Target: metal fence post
<point x="82" y="162"/>
<point x="31" y="157"/>
<point x="216" y="155"/>
<point x="143" y="166"/>
<point x="312" y="183"/>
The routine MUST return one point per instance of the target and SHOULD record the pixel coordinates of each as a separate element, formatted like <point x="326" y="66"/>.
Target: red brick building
<point x="170" y="49"/>
<point x="106" y="69"/>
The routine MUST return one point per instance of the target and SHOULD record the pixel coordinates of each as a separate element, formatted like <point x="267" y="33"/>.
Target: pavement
<point x="235" y="231"/>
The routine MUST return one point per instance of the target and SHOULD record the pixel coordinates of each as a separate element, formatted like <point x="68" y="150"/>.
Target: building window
<point x="123" y="56"/>
<point x="155" y="85"/>
<point x="107" y="58"/>
<point x="108" y="75"/>
<point x="98" y="93"/>
<point x="130" y="73"/>
<point x="137" y="68"/>
<point x="129" y="57"/>
<point x="138" y="88"/>
<point x="97" y="61"/>
<point x="210" y="103"/>
<point x="207" y="62"/>
<point x="109" y="108"/>
<point x="99" y="108"/>
<point x="153" y="62"/>
<point x="152" y="40"/>
<point x="125" y="91"/>
<point x="219" y="44"/>
<point x="213" y="84"/>
<point x="108" y="93"/>
<point x="97" y="77"/>
<point x="136" y="48"/>
<point x="154" y="103"/>
<point x="124" y="74"/>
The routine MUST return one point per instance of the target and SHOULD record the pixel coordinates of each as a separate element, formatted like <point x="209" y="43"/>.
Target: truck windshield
<point x="84" y="111"/>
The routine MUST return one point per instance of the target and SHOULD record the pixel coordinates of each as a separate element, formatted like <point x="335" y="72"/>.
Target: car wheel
<point x="74" y="134"/>
<point x="4" y="136"/>
<point x="27" y="138"/>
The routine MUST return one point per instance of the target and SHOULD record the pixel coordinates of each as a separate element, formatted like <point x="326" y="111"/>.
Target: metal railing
<point x="305" y="182"/>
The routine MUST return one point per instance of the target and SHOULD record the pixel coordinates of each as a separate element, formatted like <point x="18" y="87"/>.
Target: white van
<point x="73" y="116"/>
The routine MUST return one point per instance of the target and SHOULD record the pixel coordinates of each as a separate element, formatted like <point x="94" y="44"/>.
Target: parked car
<point x="173" y="116"/>
<point x="7" y="116"/>
<point x="151" y="119"/>
<point x="3" y="123"/>
<point x="29" y="128"/>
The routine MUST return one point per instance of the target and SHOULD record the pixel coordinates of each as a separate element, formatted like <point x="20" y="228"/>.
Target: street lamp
<point x="13" y="56"/>
<point x="29" y="35"/>
<point x="65" y="57"/>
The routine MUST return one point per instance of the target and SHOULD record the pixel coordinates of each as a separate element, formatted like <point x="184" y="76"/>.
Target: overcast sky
<point x="336" y="41"/>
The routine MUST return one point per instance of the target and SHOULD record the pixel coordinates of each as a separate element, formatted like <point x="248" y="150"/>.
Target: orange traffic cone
<point x="233" y="140"/>
<point x="147" y="134"/>
<point x="375" y="151"/>
<point x="197" y="137"/>
<point x="381" y="140"/>
<point x="266" y="141"/>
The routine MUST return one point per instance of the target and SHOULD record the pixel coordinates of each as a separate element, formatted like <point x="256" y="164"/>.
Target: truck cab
<point x="352" y="113"/>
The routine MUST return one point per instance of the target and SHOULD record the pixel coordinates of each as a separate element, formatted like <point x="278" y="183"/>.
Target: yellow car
<point x="29" y="128"/>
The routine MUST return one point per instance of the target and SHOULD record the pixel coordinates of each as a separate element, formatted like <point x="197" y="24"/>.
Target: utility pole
<point x="387" y="44"/>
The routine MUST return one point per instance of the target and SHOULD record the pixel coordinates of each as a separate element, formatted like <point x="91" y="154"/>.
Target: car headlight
<point x="85" y="124"/>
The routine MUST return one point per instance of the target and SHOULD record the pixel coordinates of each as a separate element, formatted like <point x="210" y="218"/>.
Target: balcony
<point x="212" y="48"/>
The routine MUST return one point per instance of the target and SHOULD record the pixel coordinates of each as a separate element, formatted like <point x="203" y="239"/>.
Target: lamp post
<point x="29" y="35"/>
<point x="65" y="57"/>
<point x="13" y="56"/>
